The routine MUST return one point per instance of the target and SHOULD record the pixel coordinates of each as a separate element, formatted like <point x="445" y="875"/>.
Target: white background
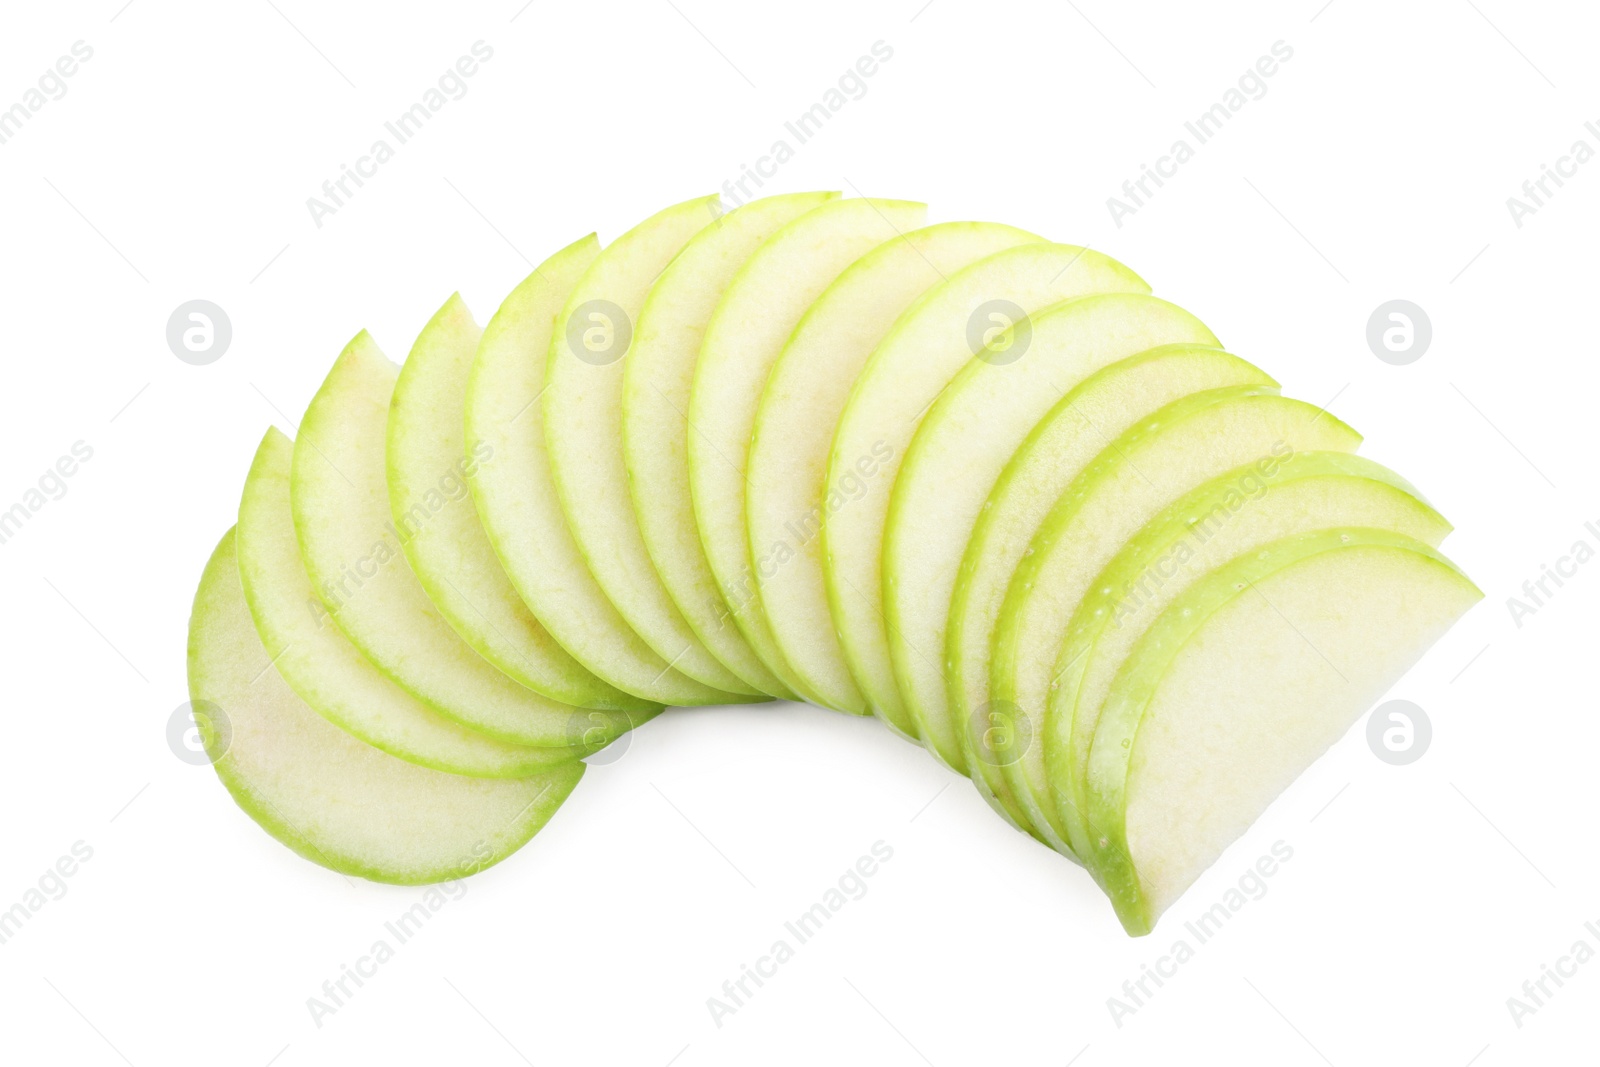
<point x="1377" y="166"/>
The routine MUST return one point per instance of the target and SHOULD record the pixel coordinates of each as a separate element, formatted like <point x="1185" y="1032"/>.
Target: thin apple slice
<point x="656" y="379"/>
<point x="517" y="501"/>
<point x="1135" y="477"/>
<point x="965" y="441"/>
<point x="331" y="798"/>
<point x="757" y="313"/>
<point x="430" y="472"/>
<point x="964" y="729"/>
<point x="799" y="409"/>
<point x="1239" y="686"/>
<point x="583" y="434"/>
<point x="318" y="661"/>
<point x="352" y="549"/>
<point x="937" y="337"/>
<point x="1235" y="513"/>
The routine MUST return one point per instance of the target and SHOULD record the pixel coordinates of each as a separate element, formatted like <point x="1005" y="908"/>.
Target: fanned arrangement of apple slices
<point x="980" y="485"/>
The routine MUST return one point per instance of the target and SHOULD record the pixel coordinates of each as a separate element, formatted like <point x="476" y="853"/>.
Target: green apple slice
<point x="965" y="441"/>
<point x="795" y="420"/>
<point x="318" y="661"/>
<point x="911" y="366"/>
<point x="1239" y="686"/>
<point x="331" y="798"/>
<point x="352" y="548"/>
<point x="430" y="471"/>
<point x="583" y="434"/>
<point x="1237" y="512"/>
<point x="758" y="312"/>
<point x="517" y="501"/>
<point x="656" y="379"/>
<point x="1135" y="477"/>
<point x="963" y="728"/>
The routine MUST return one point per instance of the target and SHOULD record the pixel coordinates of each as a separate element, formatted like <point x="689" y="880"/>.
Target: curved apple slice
<point x="965" y="441"/>
<point x="656" y="379"/>
<point x="963" y="729"/>
<point x="430" y="471"/>
<point x="1239" y="686"/>
<point x="517" y="501"/>
<point x="1133" y="479"/>
<point x="352" y="549"/>
<point x="1235" y="513"/>
<point x="333" y="799"/>
<point x="318" y="661"/>
<point x="794" y="424"/>
<point x="583" y="434"/>
<point x="758" y="312"/>
<point x="905" y="374"/>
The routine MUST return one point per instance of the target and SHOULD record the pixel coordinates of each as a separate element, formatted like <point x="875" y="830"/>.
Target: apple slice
<point x="1240" y="685"/>
<point x="965" y="441"/>
<point x="583" y="434"/>
<point x="334" y="800"/>
<point x="656" y="379"/>
<point x="353" y="553"/>
<point x="1238" y="512"/>
<point x="937" y="337"/>
<point x="794" y="425"/>
<point x="430" y="471"/>
<point x="517" y="501"/>
<point x="1135" y="477"/>
<point x="318" y="661"/>
<point x="758" y="312"/>
<point x="964" y="729"/>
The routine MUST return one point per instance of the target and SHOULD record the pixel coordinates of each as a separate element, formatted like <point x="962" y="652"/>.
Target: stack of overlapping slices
<point x="978" y="484"/>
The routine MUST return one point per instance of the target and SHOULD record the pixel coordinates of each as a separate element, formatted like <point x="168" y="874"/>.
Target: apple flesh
<point x="1238" y="512"/>
<point x="430" y="470"/>
<point x="583" y="434"/>
<point x="908" y="370"/>
<point x="353" y="553"/>
<point x="966" y="729"/>
<point x="328" y="796"/>
<point x="758" y="312"/>
<point x="656" y="380"/>
<point x="964" y="443"/>
<point x="1194" y="740"/>
<point x="517" y="502"/>
<point x="808" y="449"/>
<point x="1135" y="476"/>
<point x="321" y="664"/>
<point x="785" y="500"/>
